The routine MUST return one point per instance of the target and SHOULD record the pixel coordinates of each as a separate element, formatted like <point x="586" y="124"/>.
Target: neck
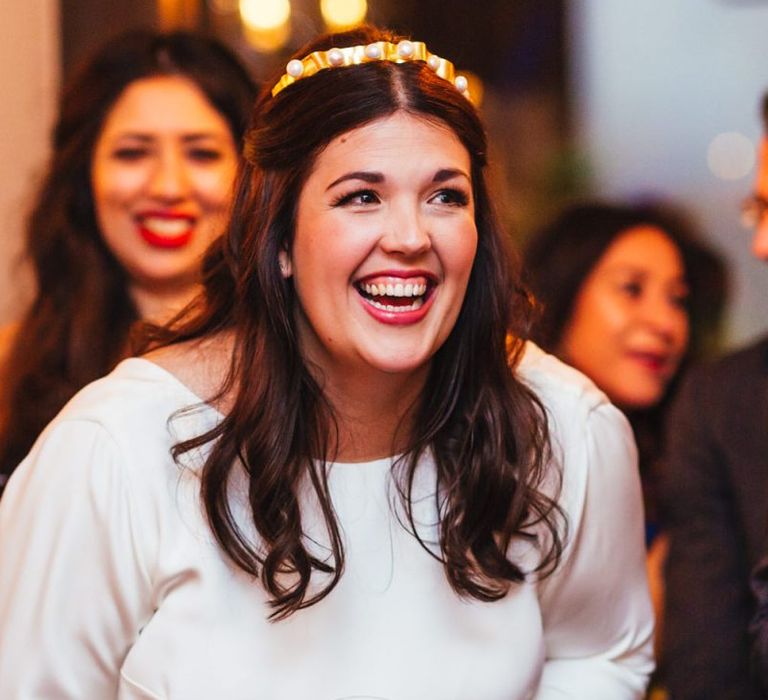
<point x="375" y="412"/>
<point x="160" y="304"/>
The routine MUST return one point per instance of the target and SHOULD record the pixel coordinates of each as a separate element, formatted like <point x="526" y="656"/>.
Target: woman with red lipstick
<point x="628" y="296"/>
<point x="328" y="480"/>
<point x="140" y="179"/>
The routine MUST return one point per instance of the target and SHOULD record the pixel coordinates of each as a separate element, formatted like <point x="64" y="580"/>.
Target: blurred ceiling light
<point x="178" y="14"/>
<point x="343" y="14"/>
<point x="265" y="15"/>
<point x="266" y="23"/>
<point x="731" y="156"/>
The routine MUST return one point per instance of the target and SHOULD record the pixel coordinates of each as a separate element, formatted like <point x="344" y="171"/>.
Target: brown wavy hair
<point x="77" y="326"/>
<point x="487" y="431"/>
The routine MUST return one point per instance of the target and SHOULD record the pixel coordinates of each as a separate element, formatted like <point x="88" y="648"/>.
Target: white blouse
<point x="111" y="585"/>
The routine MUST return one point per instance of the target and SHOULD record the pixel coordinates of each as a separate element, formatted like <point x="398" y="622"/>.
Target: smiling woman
<point x="161" y="177"/>
<point x="391" y="245"/>
<point x="345" y="473"/>
<point x="629" y="296"/>
<point x="144" y="158"/>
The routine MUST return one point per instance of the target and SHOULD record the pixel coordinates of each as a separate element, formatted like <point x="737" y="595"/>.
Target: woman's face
<point x="629" y="327"/>
<point x="384" y="244"/>
<point x="161" y="176"/>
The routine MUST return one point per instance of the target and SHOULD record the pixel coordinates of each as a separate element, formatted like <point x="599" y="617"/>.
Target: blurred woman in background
<point x="145" y="151"/>
<point x="629" y="296"/>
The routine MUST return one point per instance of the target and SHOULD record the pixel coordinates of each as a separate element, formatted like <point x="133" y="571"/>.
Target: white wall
<point x="654" y="82"/>
<point x="29" y="78"/>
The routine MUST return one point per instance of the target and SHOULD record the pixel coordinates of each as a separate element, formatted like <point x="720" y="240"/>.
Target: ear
<point x="284" y="260"/>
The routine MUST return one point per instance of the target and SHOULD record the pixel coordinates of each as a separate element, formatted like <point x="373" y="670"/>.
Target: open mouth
<point x="394" y="294"/>
<point x="166" y="231"/>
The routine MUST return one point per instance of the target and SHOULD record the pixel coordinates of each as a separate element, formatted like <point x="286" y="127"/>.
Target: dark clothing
<point x="715" y="506"/>
<point x="759" y="626"/>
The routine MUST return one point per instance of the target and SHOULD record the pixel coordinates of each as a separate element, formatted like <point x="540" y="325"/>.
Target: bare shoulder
<point x="200" y="365"/>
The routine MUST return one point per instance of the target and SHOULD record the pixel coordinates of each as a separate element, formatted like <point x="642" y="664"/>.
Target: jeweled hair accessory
<point x="402" y="52"/>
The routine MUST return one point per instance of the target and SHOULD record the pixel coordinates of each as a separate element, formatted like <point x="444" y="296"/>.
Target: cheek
<point x="214" y="186"/>
<point x="458" y="253"/>
<point x="609" y="314"/>
<point x="596" y="322"/>
<point x="114" y="186"/>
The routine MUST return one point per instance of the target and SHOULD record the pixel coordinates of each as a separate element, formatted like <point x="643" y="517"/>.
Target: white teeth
<point x="417" y="303"/>
<point x="395" y="290"/>
<point x="166" y="227"/>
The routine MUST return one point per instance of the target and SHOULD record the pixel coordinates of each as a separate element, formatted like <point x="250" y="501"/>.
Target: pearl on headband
<point x="401" y="52"/>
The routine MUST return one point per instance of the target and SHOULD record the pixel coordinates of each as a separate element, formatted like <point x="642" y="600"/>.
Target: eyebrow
<point x="364" y="175"/>
<point x="635" y="269"/>
<point x="149" y="138"/>
<point x="448" y="174"/>
<point x="372" y="177"/>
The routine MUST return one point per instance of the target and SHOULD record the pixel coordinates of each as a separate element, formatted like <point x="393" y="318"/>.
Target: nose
<point x="168" y="180"/>
<point x="667" y="318"/>
<point x="406" y="233"/>
<point x="760" y="240"/>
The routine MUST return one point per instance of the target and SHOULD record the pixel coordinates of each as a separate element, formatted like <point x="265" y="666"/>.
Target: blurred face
<point x="629" y="327"/>
<point x="161" y="176"/>
<point x="760" y="237"/>
<point x="384" y="244"/>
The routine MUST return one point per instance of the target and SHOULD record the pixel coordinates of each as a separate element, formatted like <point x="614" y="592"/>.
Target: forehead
<point x="412" y="140"/>
<point x="163" y="103"/>
<point x="644" y="246"/>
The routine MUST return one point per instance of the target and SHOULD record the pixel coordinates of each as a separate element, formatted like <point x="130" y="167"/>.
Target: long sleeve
<point x="598" y="621"/>
<point x="74" y="590"/>
<point x="707" y="596"/>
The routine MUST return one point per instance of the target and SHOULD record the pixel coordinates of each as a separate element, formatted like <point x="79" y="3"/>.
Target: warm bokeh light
<point x="266" y="23"/>
<point x="731" y="156"/>
<point x="343" y="14"/>
<point x="265" y="15"/>
<point x="178" y="14"/>
<point x="269" y="40"/>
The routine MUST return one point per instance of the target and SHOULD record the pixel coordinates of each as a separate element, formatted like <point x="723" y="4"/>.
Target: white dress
<point x="111" y="585"/>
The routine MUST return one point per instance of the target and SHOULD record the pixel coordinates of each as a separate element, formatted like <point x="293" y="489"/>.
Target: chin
<point x="398" y="362"/>
<point x="642" y="402"/>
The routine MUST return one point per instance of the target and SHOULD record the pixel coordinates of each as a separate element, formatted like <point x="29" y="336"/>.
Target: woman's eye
<point x="632" y="289"/>
<point x="129" y="153"/>
<point x="205" y="155"/>
<point x="679" y="299"/>
<point x="452" y="197"/>
<point x="358" y="197"/>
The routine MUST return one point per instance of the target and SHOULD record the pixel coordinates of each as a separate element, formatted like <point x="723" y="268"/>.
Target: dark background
<point x="516" y="48"/>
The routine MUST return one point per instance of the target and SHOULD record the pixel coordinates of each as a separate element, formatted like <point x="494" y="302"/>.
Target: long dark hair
<point x="486" y="429"/>
<point x="560" y="257"/>
<point x="77" y="326"/>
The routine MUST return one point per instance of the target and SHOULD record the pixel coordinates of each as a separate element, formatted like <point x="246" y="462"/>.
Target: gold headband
<point x="401" y="52"/>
